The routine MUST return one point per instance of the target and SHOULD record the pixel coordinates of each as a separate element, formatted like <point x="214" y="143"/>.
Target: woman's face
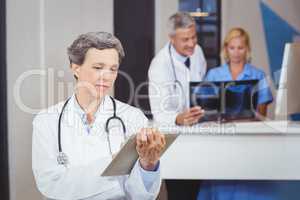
<point x="237" y="50"/>
<point x="98" y="72"/>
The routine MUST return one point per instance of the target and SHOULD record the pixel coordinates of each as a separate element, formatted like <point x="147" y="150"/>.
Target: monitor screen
<point x="206" y="95"/>
<point x="227" y="100"/>
<point x="240" y="100"/>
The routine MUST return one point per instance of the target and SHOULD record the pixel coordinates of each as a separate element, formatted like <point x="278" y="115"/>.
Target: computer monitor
<point x="208" y="96"/>
<point x="225" y="100"/>
<point x="288" y="93"/>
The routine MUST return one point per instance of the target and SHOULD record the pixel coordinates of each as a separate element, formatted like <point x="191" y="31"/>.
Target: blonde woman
<point x="236" y="52"/>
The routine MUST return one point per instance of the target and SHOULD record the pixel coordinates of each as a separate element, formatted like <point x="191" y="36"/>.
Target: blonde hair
<point x="236" y="32"/>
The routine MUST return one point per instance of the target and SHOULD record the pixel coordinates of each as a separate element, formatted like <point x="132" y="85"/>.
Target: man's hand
<point x="150" y="143"/>
<point x="190" y="116"/>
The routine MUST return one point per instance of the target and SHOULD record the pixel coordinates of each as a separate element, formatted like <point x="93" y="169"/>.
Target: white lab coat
<point x="88" y="155"/>
<point x="166" y="101"/>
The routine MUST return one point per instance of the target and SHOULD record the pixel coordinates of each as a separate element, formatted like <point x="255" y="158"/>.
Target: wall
<point x="38" y="33"/>
<point x="268" y="31"/>
<point x="249" y="15"/>
<point x="163" y="10"/>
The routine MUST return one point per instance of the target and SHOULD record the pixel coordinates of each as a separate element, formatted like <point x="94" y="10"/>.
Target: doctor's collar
<point x="78" y="109"/>
<point x="176" y="55"/>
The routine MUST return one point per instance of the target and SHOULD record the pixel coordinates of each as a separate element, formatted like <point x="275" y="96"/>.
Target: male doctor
<point x="171" y="70"/>
<point x="86" y="146"/>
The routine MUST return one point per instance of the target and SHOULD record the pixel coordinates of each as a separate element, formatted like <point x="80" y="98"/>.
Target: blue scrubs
<point x="223" y="73"/>
<point x="240" y="189"/>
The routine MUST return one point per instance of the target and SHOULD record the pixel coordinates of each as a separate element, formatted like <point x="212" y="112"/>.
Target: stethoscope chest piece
<point x="62" y="159"/>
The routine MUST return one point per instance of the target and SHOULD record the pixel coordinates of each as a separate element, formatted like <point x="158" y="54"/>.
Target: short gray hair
<point x="98" y="40"/>
<point x="180" y="20"/>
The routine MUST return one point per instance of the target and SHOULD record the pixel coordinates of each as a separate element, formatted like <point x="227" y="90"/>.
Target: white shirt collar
<point x="73" y="108"/>
<point x="177" y="56"/>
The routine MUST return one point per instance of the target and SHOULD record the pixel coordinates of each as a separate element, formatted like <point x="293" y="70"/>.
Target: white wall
<point x="163" y="10"/>
<point x="38" y="32"/>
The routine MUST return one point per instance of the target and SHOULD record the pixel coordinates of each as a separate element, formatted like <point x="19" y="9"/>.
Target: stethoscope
<point x="62" y="158"/>
<point x="176" y="81"/>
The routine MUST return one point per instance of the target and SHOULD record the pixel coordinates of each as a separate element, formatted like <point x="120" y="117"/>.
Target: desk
<point x="252" y="150"/>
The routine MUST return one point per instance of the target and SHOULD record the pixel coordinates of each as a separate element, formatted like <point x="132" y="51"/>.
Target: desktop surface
<point x="252" y="151"/>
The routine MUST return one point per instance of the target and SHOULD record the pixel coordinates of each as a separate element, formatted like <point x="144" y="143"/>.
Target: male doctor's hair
<point x="180" y="20"/>
<point x="98" y="40"/>
<point x="236" y="32"/>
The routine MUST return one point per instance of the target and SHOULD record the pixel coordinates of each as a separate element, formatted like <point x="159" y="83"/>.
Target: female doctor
<point x="236" y="51"/>
<point x="75" y="140"/>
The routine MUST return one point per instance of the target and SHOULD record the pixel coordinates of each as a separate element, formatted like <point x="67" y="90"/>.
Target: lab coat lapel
<point x="72" y="134"/>
<point x="70" y="118"/>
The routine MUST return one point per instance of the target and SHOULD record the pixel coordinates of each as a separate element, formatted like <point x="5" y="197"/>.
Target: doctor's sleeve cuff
<point x="136" y="188"/>
<point x="149" y="177"/>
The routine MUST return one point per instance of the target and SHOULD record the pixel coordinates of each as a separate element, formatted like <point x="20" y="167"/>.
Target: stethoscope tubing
<point x="176" y="81"/>
<point x="62" y="158"/>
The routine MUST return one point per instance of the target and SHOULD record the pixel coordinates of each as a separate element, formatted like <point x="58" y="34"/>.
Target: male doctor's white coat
<point x="88" y="155"/>
<point x="166" y="101"/>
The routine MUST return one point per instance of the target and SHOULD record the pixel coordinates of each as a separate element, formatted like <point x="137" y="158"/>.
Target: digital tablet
<point x="126" y="158"/>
